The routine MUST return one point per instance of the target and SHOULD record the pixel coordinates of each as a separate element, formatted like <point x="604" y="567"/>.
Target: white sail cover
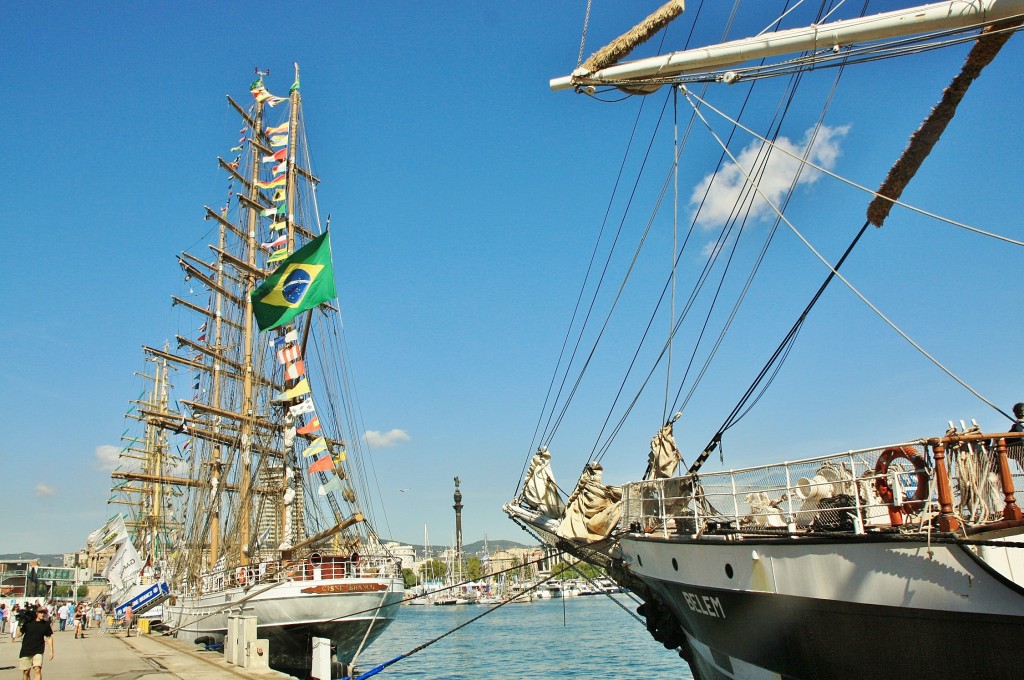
<point x="594" y="508"/>
<point x="112" y="532"/>
<point x="123" y="568"/>
<point x="664" y="456"/>
<point x="540" y="491"/>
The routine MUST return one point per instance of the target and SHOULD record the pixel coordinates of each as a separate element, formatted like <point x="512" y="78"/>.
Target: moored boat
<point x="894" y="558"/>
<point x="263" y="517"/>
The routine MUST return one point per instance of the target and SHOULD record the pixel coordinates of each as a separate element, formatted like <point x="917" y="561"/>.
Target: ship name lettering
<point x="707" y="605"/>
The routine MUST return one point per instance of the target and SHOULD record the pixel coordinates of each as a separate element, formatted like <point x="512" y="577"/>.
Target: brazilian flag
<point x="304" y="280"/>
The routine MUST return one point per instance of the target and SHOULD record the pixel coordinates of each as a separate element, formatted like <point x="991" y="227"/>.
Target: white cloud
<point x="106" y="457"/>
<point x="380" y="440"/>
<point x="774" y="177"/>
<point x="45" y="490"/>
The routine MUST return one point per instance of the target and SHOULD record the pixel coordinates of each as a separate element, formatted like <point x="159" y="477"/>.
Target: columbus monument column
<point x="458" y="527"/>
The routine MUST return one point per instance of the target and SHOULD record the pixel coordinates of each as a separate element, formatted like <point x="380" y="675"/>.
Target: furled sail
<point x="664" y="457"/>
<point x="540" y="490"/>
<point x="594" y="508"/>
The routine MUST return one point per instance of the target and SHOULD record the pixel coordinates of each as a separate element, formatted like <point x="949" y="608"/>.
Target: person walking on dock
<point x="129" y="614"/>
<point x="77" y="614"/>
<point x="38" y="636"/>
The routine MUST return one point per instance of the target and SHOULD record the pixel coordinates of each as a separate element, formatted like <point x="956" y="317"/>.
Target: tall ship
<point x="244" y="483"/>
<point x="740" y="310"/>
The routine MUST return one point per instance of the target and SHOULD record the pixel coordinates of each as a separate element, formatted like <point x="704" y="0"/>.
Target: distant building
<point x="536" y="558"/>
<point x="88" y="558"/>
<point x="18" y="579"/>
<point x="406" y="553"/>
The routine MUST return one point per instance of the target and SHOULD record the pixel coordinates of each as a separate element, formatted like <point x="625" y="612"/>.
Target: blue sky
<point x="465" y="201"/>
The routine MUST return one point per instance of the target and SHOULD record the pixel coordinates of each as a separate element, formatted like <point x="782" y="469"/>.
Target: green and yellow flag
<point x="304" y="280"/>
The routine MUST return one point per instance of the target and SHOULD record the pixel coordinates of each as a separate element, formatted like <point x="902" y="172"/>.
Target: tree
<point x="408" y="577"/>
<point x="474" y="569"/>
<point x="433" y="570"/>
<point x="564" y="570"/>
<point x="559" y="570"/>
<point x="589" y="570"/>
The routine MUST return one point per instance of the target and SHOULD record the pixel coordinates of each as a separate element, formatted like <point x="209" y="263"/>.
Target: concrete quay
<point x="114" y="657"/>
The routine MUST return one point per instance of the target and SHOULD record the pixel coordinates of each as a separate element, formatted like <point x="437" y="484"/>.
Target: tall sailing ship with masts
<point x="891" y="560"/>
<point x="254" y="476"/>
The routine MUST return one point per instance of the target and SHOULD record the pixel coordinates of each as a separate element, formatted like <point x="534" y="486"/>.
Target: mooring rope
<point x="377" y="669"/>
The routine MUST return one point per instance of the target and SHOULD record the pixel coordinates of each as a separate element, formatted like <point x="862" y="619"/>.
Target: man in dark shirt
<point x="38" y="636"/>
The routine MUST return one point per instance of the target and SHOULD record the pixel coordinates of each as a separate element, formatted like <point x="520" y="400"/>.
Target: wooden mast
<point x="293" y="141"/>
<point x="286" y="513"/>
<point x="215" y="455"/>
<point x="155" y="518"/>
<point x="248" y="410"/>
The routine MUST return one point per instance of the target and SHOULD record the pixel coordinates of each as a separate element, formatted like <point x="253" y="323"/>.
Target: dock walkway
<point x="115" y="657"/>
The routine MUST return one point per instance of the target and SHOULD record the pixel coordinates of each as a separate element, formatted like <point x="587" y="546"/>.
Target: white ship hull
<point x="352" y="612"/>
<point x="830" y="581"/>
<point x="822" y="609"/>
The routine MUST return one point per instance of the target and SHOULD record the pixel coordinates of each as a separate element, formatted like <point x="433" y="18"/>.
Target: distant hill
<point x="44" y="560"/>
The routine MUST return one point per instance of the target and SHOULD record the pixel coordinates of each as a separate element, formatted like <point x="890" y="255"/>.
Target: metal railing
<point x="852" y="492"/>
<point x="314" y="567"/>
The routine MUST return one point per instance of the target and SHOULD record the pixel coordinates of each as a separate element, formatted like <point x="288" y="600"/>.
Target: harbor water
<point x="576" y="637"/>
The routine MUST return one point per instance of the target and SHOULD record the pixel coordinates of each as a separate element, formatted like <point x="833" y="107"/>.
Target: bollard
<point x="258" y="655"/>
<point x="229" y="639"/>
<point x="241" y="635"/>
<point x="321" y="669"/>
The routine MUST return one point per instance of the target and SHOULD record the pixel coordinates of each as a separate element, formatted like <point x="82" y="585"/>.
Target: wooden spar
<point x="196" y="428"/>
<point x="183" y="481"/>
<point x="237" y="417"/>
<point x="215" y="355"/>
<point x="258" y="203"/>
<point x="231" y="171"/>
<point x="175" y="358"/>
<point x="265" y="424"/>
<point x="175" y="300"/>
<point x="915" y="20"/>
<point x="211" y="267"/>
<point x="341" y="526"/>
<point x="239" y="264"/>
<point x="266" y="150"/>
<point x="242" y="112"/>
<point x="924" y="139"/>
<point x="214" y="215"/>
<point x="192" y="270"/>
<point x="299" y="229"/>
<point x="183" y="361"/>
<point x="621" y="47"/>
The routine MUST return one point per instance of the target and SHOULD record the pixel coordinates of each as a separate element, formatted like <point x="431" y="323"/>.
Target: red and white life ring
<point x="885" y="491"/>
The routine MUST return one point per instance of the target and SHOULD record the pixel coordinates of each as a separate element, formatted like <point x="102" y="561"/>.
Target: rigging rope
<point x="788" y="196"/>
<point x="583" y="37"/>
<point x="846" y="181"/>
<point x="420" y="648"/>
<point x="549" y="428"/>
<point x="850" y="286"/>
<point x="724" y="236"/>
